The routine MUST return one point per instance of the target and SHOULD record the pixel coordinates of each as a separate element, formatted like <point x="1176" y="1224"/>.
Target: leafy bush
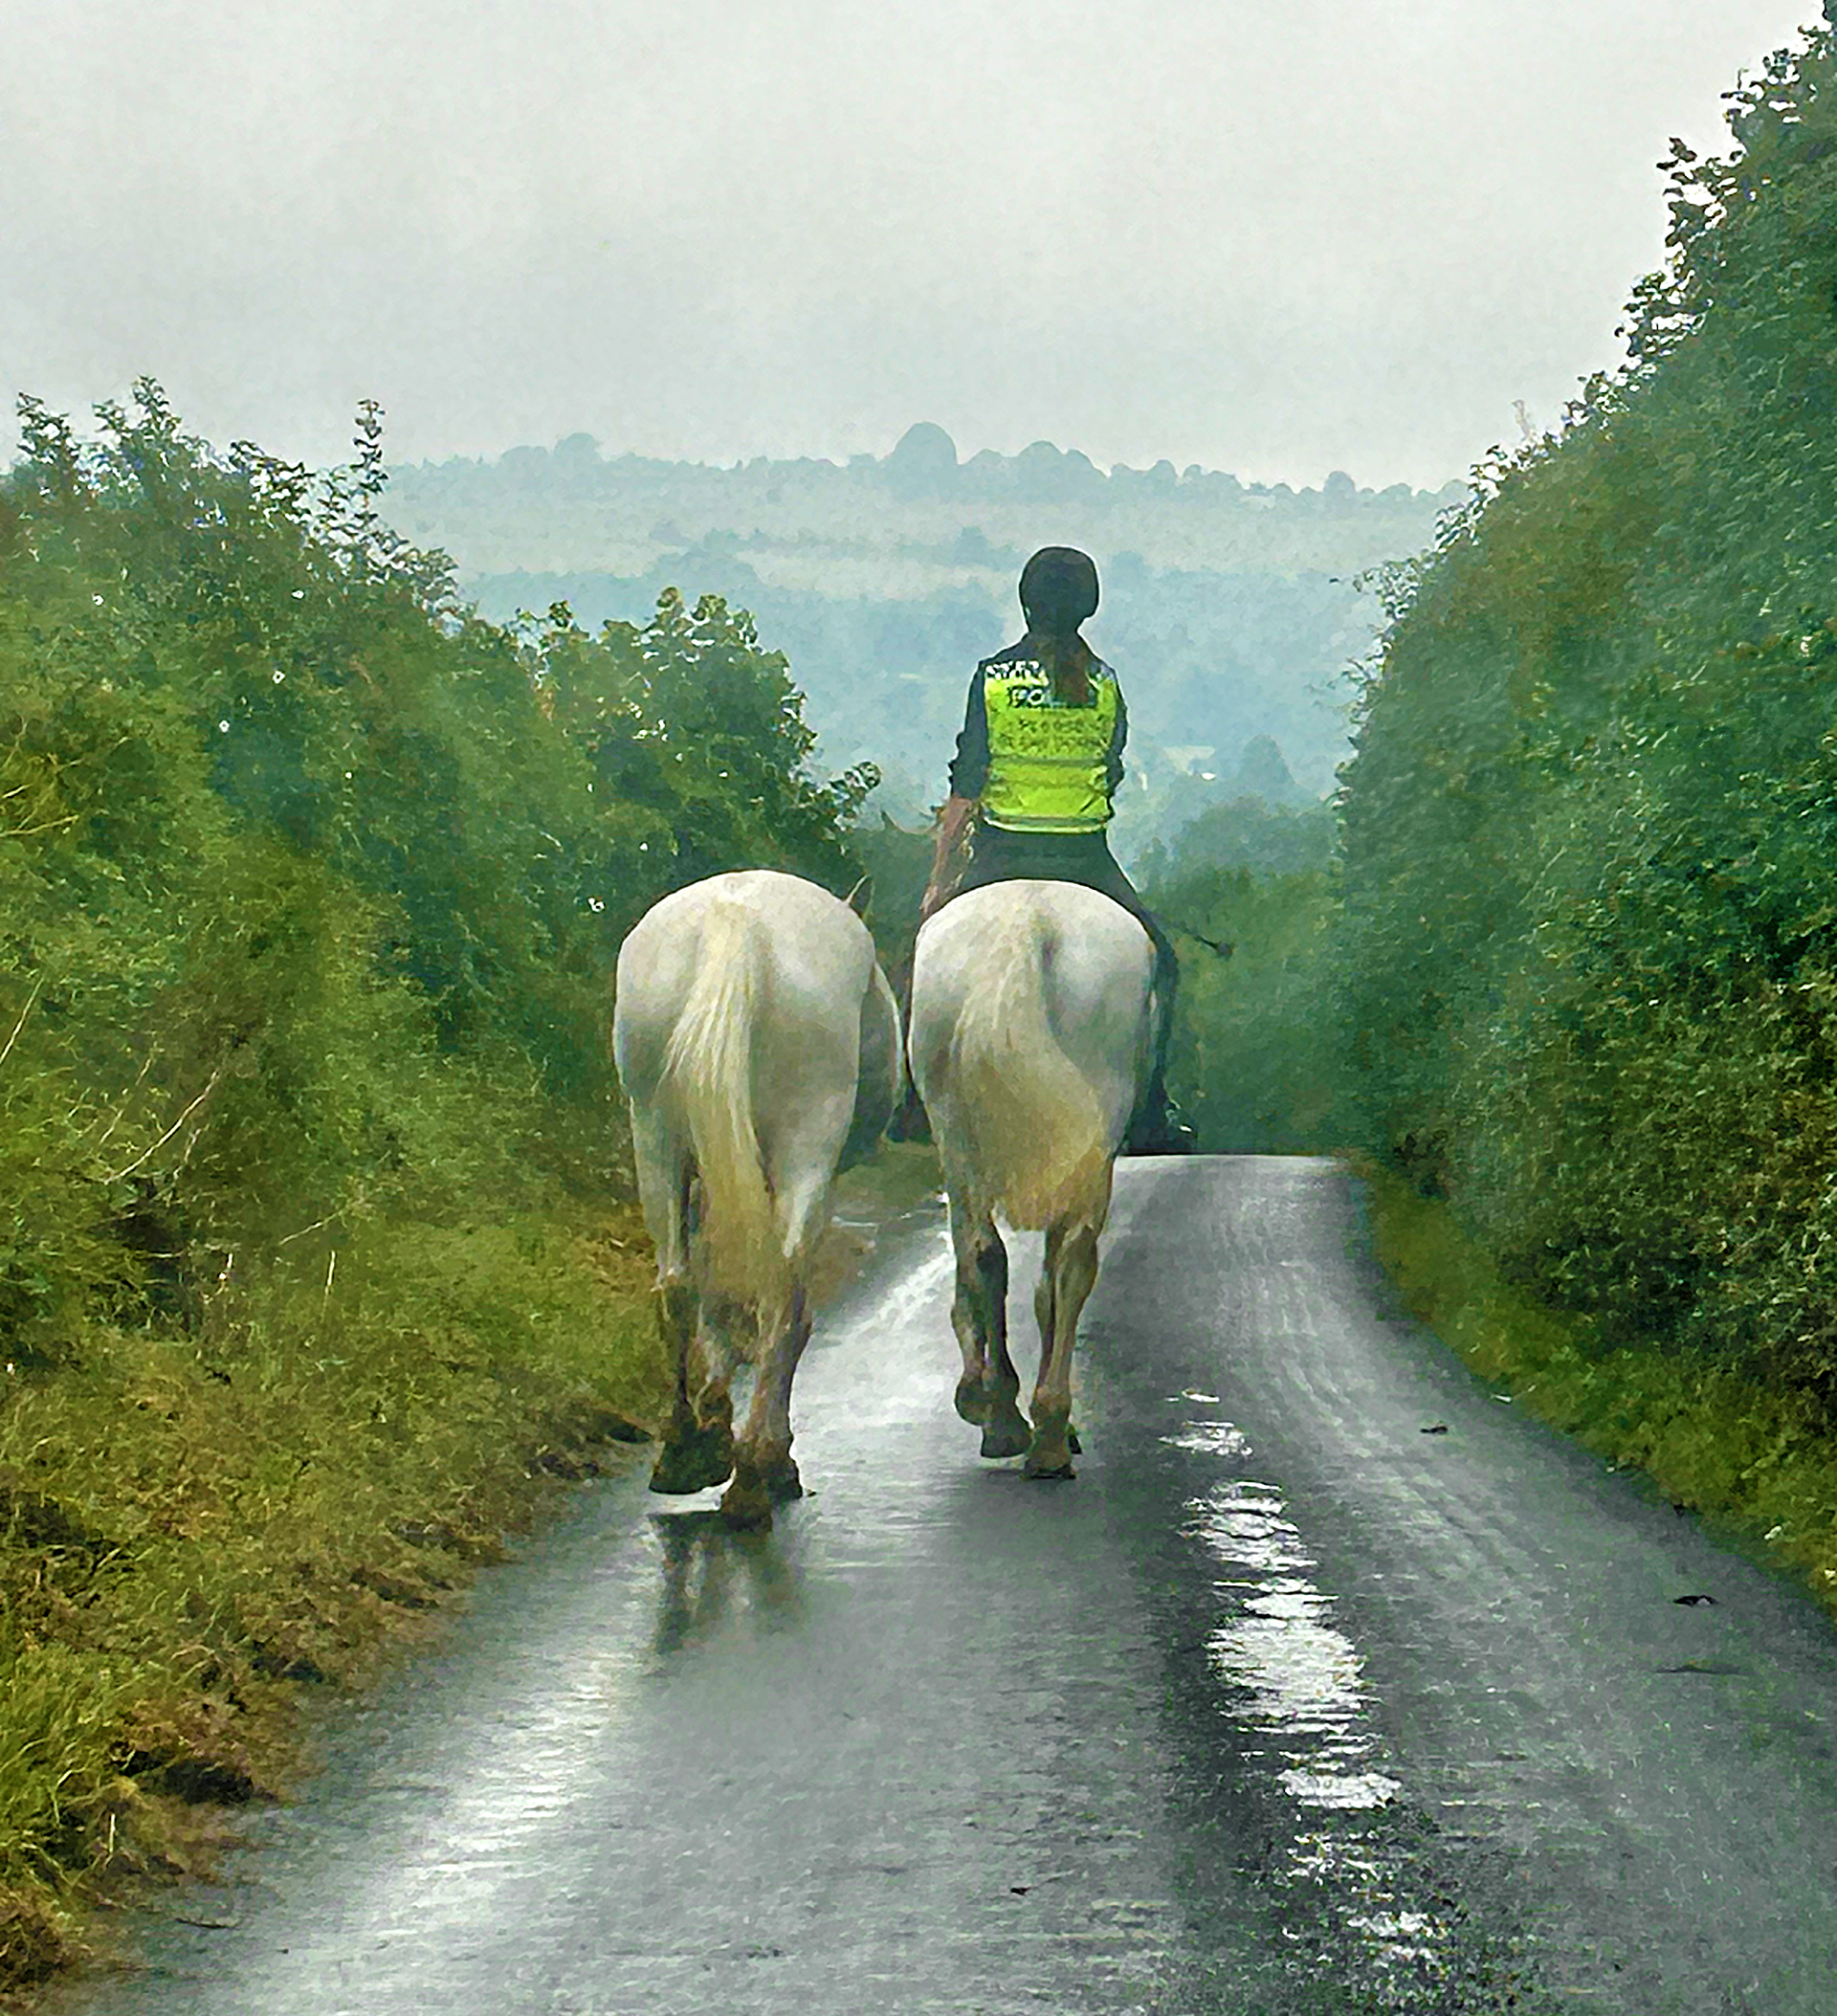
<point x="310" y="879"/>
<point x="1588" y="825"/>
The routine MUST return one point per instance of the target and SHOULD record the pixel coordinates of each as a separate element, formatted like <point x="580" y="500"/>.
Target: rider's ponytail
<point x="1068" y="659"/>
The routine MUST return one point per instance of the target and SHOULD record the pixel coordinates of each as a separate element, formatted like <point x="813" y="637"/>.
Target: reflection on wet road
<point x="1280" y="1708"/>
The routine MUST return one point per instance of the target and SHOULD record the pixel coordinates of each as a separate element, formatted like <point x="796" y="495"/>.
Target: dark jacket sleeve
<point x="1116" y="740"/>
<point x="970" y="766"/>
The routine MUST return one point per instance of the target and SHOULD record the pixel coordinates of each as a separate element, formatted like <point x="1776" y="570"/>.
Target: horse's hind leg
<point x="1069" y="1273"/>
<point x="723" y="1333"/>
<point x="800" y="1156"/>
<point x="988" y="1391"/>
<point x="1070" y="1269"/>
<point x="692" y="1456"/>
<point x="765" y="1469"/>
<point x="698" y="1451"/>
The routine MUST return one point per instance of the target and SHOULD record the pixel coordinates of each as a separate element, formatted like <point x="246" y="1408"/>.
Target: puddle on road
<point x="1297" y="1690"/>
<point x="1209" y="1438"/>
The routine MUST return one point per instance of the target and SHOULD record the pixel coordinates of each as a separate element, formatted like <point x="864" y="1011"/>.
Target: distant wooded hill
<point x="1229" y="609"/>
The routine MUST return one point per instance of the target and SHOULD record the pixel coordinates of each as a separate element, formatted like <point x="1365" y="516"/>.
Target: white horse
<point x="757" y="1044"/>
<point x="1032" y="1037"/>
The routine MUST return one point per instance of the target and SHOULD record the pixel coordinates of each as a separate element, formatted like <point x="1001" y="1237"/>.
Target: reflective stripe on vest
<point x="1048" y="764"/>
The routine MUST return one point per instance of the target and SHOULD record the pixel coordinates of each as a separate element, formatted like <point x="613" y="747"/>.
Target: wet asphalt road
<point x="1283" y="1706"/>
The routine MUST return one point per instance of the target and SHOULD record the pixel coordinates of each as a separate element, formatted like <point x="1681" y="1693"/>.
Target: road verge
<point x="201" y="1532"/>
<point x="1714" y="1441"/>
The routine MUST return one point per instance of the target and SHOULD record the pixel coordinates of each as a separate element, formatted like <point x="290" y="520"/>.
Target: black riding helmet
<point x="1058" y="591"/>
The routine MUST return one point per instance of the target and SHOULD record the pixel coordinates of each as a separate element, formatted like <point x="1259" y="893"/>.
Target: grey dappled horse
<point x="1031" y="1037"/>
<point x="758" y="1043"/>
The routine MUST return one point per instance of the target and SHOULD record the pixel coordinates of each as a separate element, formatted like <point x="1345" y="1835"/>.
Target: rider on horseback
<point x="1039" y="759"/>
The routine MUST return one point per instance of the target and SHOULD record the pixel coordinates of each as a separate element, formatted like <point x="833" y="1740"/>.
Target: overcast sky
<point x="1273" y="236"/>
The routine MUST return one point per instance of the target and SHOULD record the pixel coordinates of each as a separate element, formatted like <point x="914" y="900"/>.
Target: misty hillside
<point x="1228" y="607"/>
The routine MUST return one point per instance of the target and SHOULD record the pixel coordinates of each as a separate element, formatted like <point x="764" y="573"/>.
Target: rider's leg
<point x="1153" y="1100"/>
<point x="910" y="1121"/>
<point x="1153" y="1129"/>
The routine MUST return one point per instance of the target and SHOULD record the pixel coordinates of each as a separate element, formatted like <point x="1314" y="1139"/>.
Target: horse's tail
<point x="708" y="1069"/>
<point x="1028" y="1122"/>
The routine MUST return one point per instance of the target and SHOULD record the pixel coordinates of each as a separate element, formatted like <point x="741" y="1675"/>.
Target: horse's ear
<point x="861" y="896"/>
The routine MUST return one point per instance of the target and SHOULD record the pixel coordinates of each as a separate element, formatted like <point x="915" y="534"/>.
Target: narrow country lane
<point x="1285" y="1705"/>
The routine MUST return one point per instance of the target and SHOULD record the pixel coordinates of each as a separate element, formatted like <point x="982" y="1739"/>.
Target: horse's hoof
<point x="694" y="1463"/>
<point x="1050" y="1457"/>
<point x="747" y="1505"/>
<point x="1043" y="1470"/>
<point x="1005" y="1438"/>
<point x="972" y="1401"/>
<point x="1073" y="1443"/>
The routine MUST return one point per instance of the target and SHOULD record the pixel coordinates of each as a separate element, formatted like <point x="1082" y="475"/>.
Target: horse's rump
<point x="739" y="1029"/>
<point x="1028" y="1015"/>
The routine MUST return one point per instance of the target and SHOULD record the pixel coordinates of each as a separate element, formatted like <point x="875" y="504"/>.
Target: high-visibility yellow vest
<point x="1049" y="763"/>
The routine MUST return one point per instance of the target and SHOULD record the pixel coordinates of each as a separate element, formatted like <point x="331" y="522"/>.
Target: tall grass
<point x="192" y="1529"/>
